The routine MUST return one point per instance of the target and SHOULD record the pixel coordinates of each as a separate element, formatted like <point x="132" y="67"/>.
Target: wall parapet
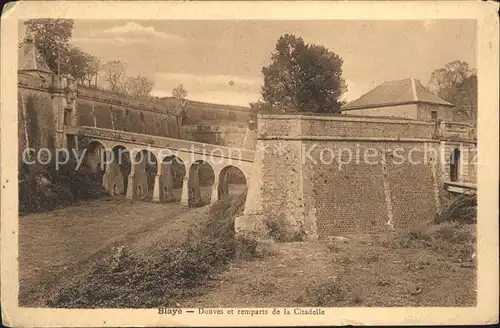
<point x="39" y="82"/>
<point x="196" y="112"/>
<point x="459" y="131"/>
<point x="345" y="118"/>
<point x="172" y="107"/>
<point x="343" y="127"/>
<point x="214" y="128"/>
<point x="162" y="142"/>
<point x="335" y="138"/>
<point x="195" y="103"/>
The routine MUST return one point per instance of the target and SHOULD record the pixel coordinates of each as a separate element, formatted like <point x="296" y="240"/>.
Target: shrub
<point x="262" y="288"/>
<point x="345" y="260"/>
<point x="246" y="248"/>
<point x="453" y="239"/>
<point x="135" y="282"/>
<point x="413" y="238"/>
<point x="330" y="293"/>
<point x="282" y="231"/>
<point x="43" y="188"/>
<point x="371" y="256"/>
<point x="265" y="248"/>
<point x="463" y="209"/>
<point x="121" y="279"/>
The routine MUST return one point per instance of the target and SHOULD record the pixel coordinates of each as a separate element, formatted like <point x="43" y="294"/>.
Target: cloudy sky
<point x="206" y="55"/>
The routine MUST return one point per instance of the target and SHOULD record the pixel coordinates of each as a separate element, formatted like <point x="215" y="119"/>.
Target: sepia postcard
<point x="249" y="163"/>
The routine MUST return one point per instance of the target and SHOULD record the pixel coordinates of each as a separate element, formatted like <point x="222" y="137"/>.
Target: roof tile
<point x="395" y="93"/>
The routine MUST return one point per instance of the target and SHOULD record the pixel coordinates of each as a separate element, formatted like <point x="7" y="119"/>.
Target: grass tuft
<point x="124" y="280"/>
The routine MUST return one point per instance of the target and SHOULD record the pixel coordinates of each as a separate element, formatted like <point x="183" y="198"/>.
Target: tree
<point x="93" y="69"/>
<point x="51" y="37"/>
<point x="81" y="65"/>
<point x="115" y="75"/>
<point x="138" y="86"/>
<point x="457" y="84"/>
<point x="256" y="108"/>
<point x="76" y="62"/>
<point x="303" y="77"/>
<point x="179" y="92"/>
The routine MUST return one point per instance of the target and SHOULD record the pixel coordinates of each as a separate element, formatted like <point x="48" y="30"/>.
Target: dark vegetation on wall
<point x="123" y="118"/>
<point x="43" y="188"/>
<point x="39" y="121"/>
<point x="462" y="208"/>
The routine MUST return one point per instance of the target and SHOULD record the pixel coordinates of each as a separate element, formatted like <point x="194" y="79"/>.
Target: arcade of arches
<point x="141" y="175"/>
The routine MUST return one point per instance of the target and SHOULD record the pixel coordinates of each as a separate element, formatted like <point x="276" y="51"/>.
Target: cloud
<point x="132" y="29"/>
<point x="215" y="88"/>
<point x="114" y="40"/>
<point x="208" y="80"/>
<point x="131" y="32"/>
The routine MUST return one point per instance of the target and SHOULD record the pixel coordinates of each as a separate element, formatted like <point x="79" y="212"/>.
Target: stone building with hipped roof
<point x="406" y="98"/>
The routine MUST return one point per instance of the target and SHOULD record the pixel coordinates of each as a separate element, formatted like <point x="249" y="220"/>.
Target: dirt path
<point x="51" y="244"/>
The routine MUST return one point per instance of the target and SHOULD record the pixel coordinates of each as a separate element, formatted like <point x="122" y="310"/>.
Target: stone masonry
<point x="312" y="172"/>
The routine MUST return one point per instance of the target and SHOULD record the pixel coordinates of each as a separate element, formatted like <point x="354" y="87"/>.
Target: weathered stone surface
<point x="312" y="171"/>
<point x="251" y="225"/>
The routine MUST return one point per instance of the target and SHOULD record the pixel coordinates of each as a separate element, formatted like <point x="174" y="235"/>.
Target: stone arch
<point x="232" y="181"/>
<point x="145" y="168"/>
<point x="455" y="163"/>
<point x="170" y="180"/>
<point x="118" y="168"/>
<point x="67" y="117"/>
<point x="95" y="160"/>
<point x="200" y="183"/>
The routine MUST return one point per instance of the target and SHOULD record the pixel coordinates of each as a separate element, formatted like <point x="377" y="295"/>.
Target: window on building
<point x="434" y="115"/>
<point x="67" y="117"/>
<point x="454" y="164"/>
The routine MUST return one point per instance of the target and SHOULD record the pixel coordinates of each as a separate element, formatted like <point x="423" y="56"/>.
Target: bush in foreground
<point x="462" y="209"/>
<point x="124" y="280"/>
<point x="453" y="239"/>
<point x="281" y="230"/>
<point x="332" y="292"/>
<point x="43" y="188"/>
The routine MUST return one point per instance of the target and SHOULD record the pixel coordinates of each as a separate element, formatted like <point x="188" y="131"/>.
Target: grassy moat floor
<point x="358" y="273"/>
<point x="375" y="270"/>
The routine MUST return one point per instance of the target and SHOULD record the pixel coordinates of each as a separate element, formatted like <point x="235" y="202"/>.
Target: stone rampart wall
<point x="346" y="174"/>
